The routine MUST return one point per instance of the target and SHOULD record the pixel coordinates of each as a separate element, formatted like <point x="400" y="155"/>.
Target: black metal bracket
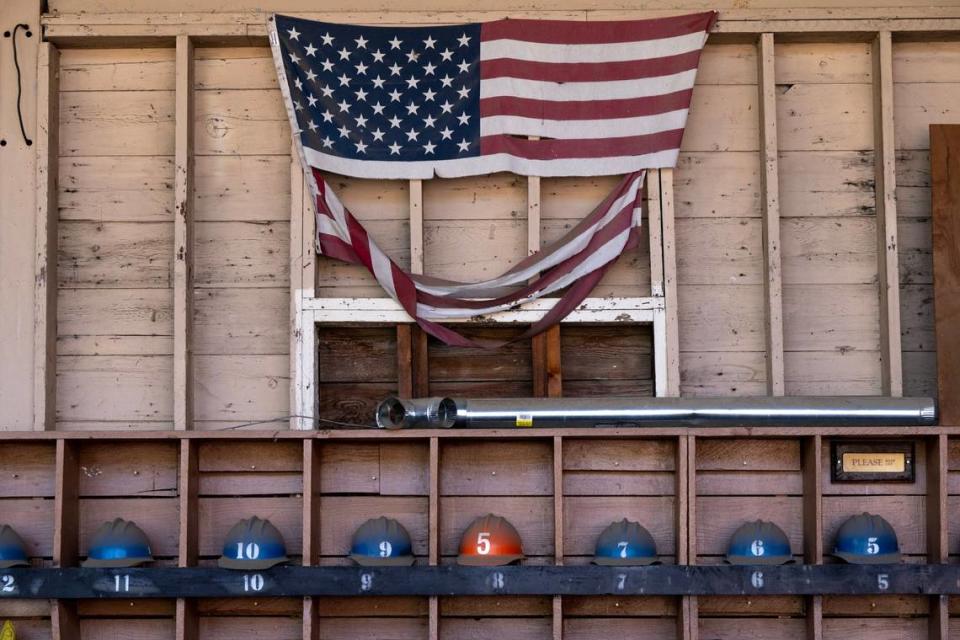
<point x="452" y="580"/>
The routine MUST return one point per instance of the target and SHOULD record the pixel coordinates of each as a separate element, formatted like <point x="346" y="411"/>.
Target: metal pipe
<point x="395" y="413"/>
<point x="435" y="413"/>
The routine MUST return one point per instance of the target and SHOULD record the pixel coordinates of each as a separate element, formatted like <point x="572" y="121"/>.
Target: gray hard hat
<point x="118" y="543"/>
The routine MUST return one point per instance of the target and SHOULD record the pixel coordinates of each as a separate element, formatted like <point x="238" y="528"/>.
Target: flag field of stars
<point x="382" y="93"/>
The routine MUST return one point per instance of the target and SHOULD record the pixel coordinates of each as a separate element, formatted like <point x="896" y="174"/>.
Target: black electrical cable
<point x="16" y="63"/>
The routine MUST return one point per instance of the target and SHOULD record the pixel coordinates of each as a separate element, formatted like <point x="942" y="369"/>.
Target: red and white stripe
<point x="605" y="97"/>
<point x="576" y="263"/>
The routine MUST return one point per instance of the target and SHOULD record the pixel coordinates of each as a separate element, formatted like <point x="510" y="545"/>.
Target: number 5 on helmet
<point x="490" y="541"/>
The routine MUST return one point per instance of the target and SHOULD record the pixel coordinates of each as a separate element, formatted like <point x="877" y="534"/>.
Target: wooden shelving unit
<point x="558" y="487"/>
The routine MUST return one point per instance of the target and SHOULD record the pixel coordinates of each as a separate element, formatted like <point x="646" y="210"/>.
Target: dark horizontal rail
<point x="668" y="580"/>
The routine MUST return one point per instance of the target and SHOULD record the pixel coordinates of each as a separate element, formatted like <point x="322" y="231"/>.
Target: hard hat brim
<point x="625" y="562"/>
<point x="6" y="564"/>
<point x="859" y="558"/>
<point x="265" y="563"/>
<point x="764" y="560"/>
<point x="106" y="563"/>
<point x="487" y="561"/>
<point x="369" y="561"/>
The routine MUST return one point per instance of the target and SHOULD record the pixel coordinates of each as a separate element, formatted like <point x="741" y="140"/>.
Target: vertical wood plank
<point x="297" y="259"/>
<point x="538" y="357"/>
<point x="553" y="369"/>
<point x="189" y="481"/>
<point x="183" y="238"/>
<point x="815" y="618"/>
<point x="668" y="230"/>
<point x="311" y="529"/>
<point x="416" y="226"/>
<point x="557" y="525"/>
<point x="937" y="523"/>
<point x="66" y="505"/>
<point x="655" y="232"/>
<point x="186" y="620"/>
<point x="812" y="466"/>
<point x="64" y="622"/>
<point x="20" y="338"/>
<point x="421" y="363"/>
<point x="433" y="535"/>
<point x="303" y="217"/>
<point x="945" y="186"/>
<point x="47" y="214"/>
<point x="688" y="616"/>
<point x="311" y="502"/>
<point x="886" y="198"/>
<point x="405" y="360"/>
<point x="311" y="626"/>
<point x="770" y="204"/>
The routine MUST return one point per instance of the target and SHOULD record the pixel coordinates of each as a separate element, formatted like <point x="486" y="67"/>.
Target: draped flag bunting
<point x="535" y="97"/>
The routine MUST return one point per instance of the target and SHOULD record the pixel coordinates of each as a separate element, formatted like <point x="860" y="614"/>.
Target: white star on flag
<point x="294" y="34"/>
<point x="311" y="50"/>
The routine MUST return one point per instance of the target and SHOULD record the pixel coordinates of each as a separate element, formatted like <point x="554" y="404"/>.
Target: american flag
<point x="600" y="98"/>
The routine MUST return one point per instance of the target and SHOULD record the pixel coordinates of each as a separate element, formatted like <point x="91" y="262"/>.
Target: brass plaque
<point x="887" y="461"/>
<point x="894" y="462"/>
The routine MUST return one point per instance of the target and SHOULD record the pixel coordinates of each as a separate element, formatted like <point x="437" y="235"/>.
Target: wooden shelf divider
<point x="65" y="624"/>
<point x="187" y="620"/>
<point x="811" y="464"/>
<point x="311" y="530"/>
<point x="433" y="535"/>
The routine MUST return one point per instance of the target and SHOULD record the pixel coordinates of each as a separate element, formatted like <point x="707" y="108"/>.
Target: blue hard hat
<point x="118" y="543"/>
<point x="867" y="539"/>
<point x="253" y="543"/>
<point x="625" y="543"/>
<point x="13" y="550"/>
<point x="381" y="542"/>
<point x="759" y="542"/>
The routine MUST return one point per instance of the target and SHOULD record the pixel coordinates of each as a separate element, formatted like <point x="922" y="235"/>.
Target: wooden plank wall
<point x="926" y="86"/>
<point x="115" y="327"/>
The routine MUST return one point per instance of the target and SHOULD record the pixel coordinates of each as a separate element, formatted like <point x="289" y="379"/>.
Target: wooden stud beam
<point x="433" y="535"/>
<point x="668" y="233"/>
<point x="945" y="186"/>
<point x="770" y="205"/>
<point x="66" y="522"/>
<point x="938" y="551"/>
<point x="186" y="617"/>
<point x="47" y="214"/>
<point x="311" y="529"/>
<point x="812" y="467"/>
<point x="558" y="519"/>
<point x="886" y="199"/>
<point x="183" y="239"/>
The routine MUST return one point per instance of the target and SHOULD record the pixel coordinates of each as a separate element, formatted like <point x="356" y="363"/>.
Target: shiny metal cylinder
<point x="645" y="411"/>
<point x="433" y="413"/>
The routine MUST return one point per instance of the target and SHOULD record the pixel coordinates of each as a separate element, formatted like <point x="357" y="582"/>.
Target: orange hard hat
<point x="490" y="541"/>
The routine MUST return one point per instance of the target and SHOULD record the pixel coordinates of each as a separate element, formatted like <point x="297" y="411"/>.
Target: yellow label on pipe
<point x="524" y="420"/>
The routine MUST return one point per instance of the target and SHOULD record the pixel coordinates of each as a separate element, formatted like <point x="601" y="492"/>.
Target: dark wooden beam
<point x="945" y="185"/>
<point x="454" y="580"/>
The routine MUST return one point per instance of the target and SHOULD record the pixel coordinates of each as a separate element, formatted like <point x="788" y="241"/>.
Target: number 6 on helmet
<point x="490" y="541"/>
